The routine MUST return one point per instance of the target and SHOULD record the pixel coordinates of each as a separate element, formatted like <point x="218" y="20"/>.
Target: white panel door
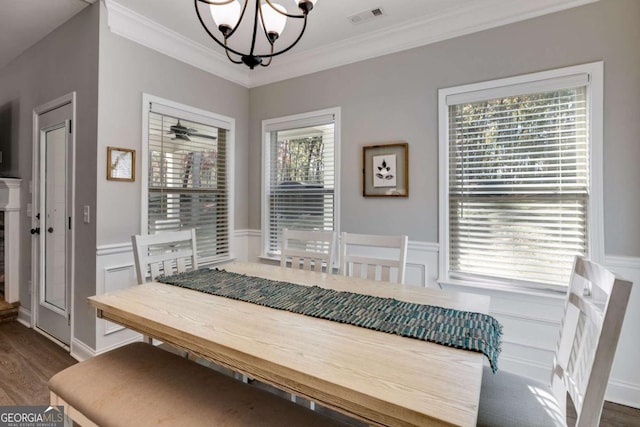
<point x="54" y="231"/>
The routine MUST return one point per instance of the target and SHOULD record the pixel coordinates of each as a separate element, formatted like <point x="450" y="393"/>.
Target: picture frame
<point x="385" y="170"/>
<point x="121" y="164"/>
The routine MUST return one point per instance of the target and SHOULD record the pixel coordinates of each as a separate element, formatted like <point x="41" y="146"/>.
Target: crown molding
<point x="142" y="30"/>
<point x="477" y="16"/>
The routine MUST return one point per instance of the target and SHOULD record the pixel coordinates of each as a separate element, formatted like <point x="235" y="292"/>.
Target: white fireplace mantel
<point x="10" y="204"/>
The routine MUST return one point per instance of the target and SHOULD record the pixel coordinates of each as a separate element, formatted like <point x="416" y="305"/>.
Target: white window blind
<point x="300" y="176"/>
<point x="187" y="179"/>
<point x="518" y="192"/>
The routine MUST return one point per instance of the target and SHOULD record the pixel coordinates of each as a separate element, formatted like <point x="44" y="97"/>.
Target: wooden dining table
<point x="377" y="377"/>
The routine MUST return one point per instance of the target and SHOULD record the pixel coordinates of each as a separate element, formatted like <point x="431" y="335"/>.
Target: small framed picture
<point x="121" y="164"/>
<point x="385" y="170"/>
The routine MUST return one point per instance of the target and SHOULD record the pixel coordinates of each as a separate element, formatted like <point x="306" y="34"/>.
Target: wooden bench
<point x="142" y="385"/>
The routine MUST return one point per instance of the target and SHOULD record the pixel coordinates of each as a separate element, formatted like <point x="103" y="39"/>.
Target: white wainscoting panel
<point x="116" y="278"/>
<point x="115" y="270"/>
<point x="624" y="384"/>
<point x="421" y="259"/>
<point x="247" y="245"/>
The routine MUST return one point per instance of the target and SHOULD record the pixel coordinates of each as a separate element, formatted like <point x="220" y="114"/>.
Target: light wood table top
<point x="375" y="376"/>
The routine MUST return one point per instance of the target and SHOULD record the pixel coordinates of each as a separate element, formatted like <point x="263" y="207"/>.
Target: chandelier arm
<point x="304" y="26"/>
<point x="255" y="27"/>
<point x="227" y="48"/>
<point x="270" y="59"/>
<point x="288" y="15"/>
<point x="216" y="3"/>
<point x="235" y="61"/>
<point x="268" y="62"/>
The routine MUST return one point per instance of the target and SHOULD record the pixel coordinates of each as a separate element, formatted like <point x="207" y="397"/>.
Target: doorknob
<point x="35" y="230"/>
<point x="50" y="229"/>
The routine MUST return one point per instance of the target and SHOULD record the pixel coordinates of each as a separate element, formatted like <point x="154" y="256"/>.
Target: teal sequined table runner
<point x="454" y="328"/>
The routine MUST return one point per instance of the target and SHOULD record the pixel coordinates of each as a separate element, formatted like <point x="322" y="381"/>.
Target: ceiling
<point x="331" y="39"/>
<point x="25" y="22"/>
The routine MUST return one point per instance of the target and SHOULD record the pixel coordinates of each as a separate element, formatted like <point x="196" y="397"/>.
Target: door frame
<point x="69" y="98"/>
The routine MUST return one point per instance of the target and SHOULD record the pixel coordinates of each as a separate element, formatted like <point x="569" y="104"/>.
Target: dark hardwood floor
<point x="28" y="360"/>
<point x="613" y="415"/>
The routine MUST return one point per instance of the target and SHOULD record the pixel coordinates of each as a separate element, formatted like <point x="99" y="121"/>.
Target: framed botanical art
<point x="385" y="170"/>
<point x="121" y="164"/>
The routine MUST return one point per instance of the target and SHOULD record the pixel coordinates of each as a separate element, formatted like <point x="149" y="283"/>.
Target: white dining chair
<point x="360" y="256"/>
<point x="307" y="249"/>
<point x="165" y="253"/>
<point x="594" y="311"/>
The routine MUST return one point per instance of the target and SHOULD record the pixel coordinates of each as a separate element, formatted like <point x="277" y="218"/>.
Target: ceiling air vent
<point x="366" y="16"/>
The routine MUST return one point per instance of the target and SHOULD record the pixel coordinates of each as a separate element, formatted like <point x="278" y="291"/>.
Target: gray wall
<point x="128" y="69"/>
<point x="65" y="61"/>
<point x="394" y="98"/>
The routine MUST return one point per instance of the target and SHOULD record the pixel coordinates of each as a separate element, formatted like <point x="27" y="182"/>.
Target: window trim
<point x="595" y="210"/>
<point x="283" y="123"/>
<point x="191" y="113"/>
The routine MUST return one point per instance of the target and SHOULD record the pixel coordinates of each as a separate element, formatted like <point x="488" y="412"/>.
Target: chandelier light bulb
<point x="274" y="22"/>
<point x="225" y="16"/>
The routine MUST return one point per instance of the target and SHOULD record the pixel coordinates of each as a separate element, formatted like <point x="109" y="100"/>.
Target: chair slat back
<point x="165" y="253"/>
<point x="594" y="311"/>
<point x="307" y="249"/>
<point x="373" y="267"/>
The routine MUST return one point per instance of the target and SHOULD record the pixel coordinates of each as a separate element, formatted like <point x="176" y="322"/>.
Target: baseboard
<point x="81" y="351"/>
<point x="24" y="317"/>
<point x="624" y="393"/>
<point x="136" y="338"/>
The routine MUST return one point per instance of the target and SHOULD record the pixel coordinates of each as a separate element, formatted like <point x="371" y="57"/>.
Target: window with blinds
<point x="300" y="176"/>
<point x="187" y="178"/>
<point x="518" y="192"/>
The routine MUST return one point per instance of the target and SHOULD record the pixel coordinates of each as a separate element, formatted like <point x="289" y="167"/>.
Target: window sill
<point x="492" y="288"/>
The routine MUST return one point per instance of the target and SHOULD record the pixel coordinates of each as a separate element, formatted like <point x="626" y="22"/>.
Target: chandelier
<point x="269" y="18"/>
